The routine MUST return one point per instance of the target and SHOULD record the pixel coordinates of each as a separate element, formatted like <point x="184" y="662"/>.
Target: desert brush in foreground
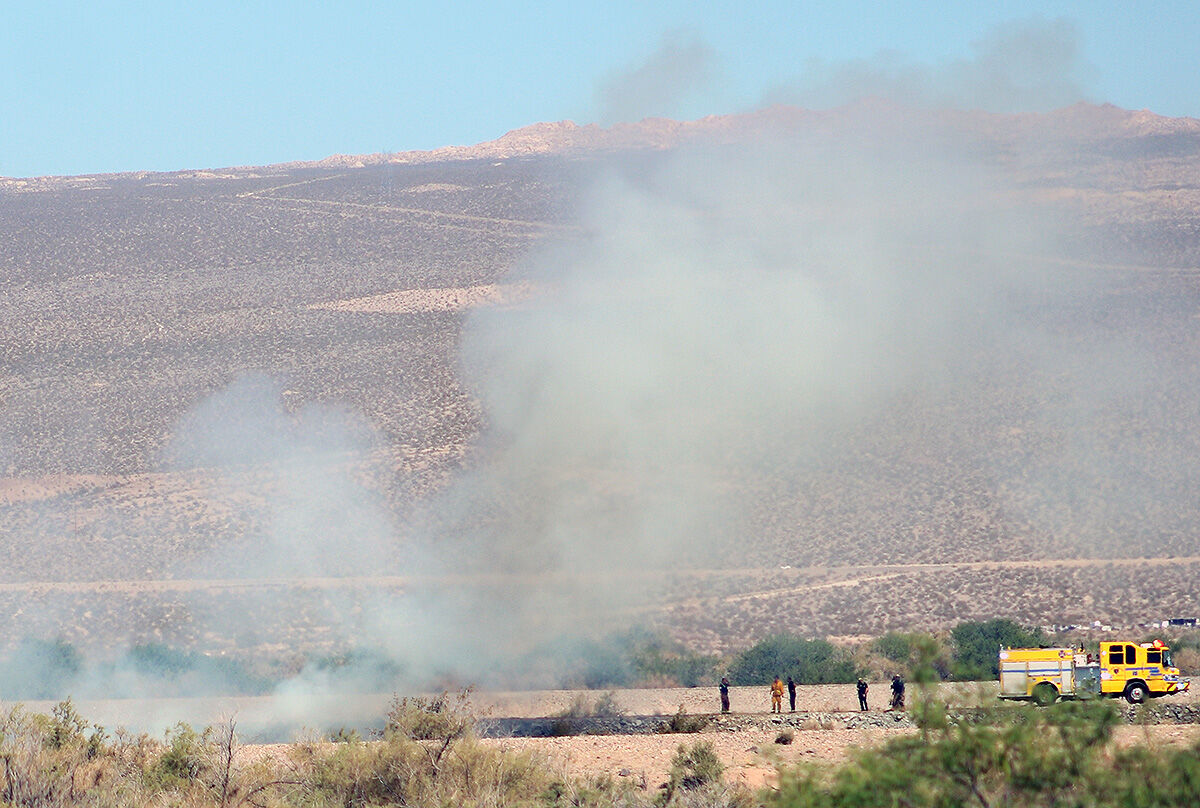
<point x="1061" y="756"/>
<point x="428" y="755"/>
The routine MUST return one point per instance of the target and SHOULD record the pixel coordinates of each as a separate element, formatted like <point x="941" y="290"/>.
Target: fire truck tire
<point x="1044" y="694"/>
<point x="1136" y="693"/>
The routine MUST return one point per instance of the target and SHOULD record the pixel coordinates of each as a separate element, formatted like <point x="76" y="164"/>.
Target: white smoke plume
<point x="728" y="315"/>
<point x="1029" y="65"/>
<point x="310" y="516"/>
<point x="681" y="65"/>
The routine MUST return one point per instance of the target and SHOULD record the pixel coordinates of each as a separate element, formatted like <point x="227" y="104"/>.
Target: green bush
<point x="425" y="719"/>
<point x="783" y="655"/>
<point x="448" y="770"/>
<point x="181" y="762"/>
<point x="1060" y="756"/>
<point x="625" y="659"/>
<point x="693" y="767"/>
<point x="41" y="669"/>
<point x="662" y="661"/>
<point x="895" y="646"/>
<point x="977" y="647"/>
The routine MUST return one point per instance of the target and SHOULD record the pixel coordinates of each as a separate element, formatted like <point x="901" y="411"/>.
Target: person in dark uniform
<point x="792" y="693"/>
<point x="863" y="687"/>
<point x="897" y="692"/>
<point x="724" y="694"/>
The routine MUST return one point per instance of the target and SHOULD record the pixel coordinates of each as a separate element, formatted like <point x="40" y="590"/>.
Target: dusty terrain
<point x="751" y="756"/>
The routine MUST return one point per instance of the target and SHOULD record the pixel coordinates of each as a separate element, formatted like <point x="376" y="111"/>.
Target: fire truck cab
<point x="1135" y="671"/>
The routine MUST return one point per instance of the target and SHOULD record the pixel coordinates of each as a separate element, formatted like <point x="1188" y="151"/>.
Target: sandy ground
<point x="751" y="757"/>
<point x="264" y="718"/>
<point x="699" y="700"/>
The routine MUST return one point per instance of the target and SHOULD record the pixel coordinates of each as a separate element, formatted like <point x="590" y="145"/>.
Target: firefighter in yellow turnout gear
<point x="777" y="695"/>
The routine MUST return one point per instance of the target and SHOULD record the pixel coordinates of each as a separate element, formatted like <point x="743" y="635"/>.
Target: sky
<point x="120" y="86"/>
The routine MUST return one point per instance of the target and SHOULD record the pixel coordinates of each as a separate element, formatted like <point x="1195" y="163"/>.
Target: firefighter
<point x="863" y="687"/>
<point x="724" y="694"/>
<point x="897" y="692"/>
<point x="777" y="695"/>
<point x="792" y="693"/>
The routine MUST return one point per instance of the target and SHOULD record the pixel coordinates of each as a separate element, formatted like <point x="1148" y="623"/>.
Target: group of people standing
<point x="777" y="690"/>
<point x="897" y="693"/>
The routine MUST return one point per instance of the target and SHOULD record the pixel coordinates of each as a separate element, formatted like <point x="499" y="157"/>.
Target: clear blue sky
<point x="111" y="86"/>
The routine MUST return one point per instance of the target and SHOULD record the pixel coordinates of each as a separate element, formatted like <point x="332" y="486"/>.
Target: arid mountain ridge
<point x="1079" y="122"/>
<point x="1082" y="121"/>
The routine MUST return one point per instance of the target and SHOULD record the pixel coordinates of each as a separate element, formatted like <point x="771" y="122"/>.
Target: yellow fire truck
<point x="1044" y="675"/>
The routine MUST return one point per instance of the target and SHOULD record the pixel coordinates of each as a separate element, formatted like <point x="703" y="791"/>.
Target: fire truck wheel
<point x="1136" y="693"/>
<point x="1045" y="694"/>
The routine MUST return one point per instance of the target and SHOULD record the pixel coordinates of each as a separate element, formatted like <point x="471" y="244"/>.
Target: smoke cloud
<point x="1029" y="65"/>
<point x="310" y="514"/>
<point x="681" y="65"/>
<point x="722" y="317"/>
<point x="728" y="316"/>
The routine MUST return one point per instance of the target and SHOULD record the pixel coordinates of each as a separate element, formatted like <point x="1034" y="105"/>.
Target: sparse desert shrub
<point x="682" y="722"/>
<point x="597" y="791"/>
<point x="785" y="738"/>
<point x="424" y="719"/>
<point x="345" y="735"/>
<point x="606" y="706"/>
<point x="693" y="767"/>
<point x="1046" y="758"/>
<point x="49" y="761"/>
<point x="452" y="770"/>
<point x="180" y="762"/>
<point x="581" y="708"/>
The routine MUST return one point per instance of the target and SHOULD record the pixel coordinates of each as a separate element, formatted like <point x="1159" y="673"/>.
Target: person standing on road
<point x="897" y="692"/>
<point x="792" y="693"/>
<point x="724" y="694"/>
<point x="777" y="695"/>
<point x="863" y="687"/>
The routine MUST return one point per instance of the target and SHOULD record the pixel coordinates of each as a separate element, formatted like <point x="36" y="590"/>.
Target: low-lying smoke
<point x="309" y="514"/>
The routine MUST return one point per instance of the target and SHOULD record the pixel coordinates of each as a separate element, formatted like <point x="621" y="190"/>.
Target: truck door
<point x="1112" y="666"/>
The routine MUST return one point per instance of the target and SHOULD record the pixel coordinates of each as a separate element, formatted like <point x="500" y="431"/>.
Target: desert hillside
<point x="198" y="367"/>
